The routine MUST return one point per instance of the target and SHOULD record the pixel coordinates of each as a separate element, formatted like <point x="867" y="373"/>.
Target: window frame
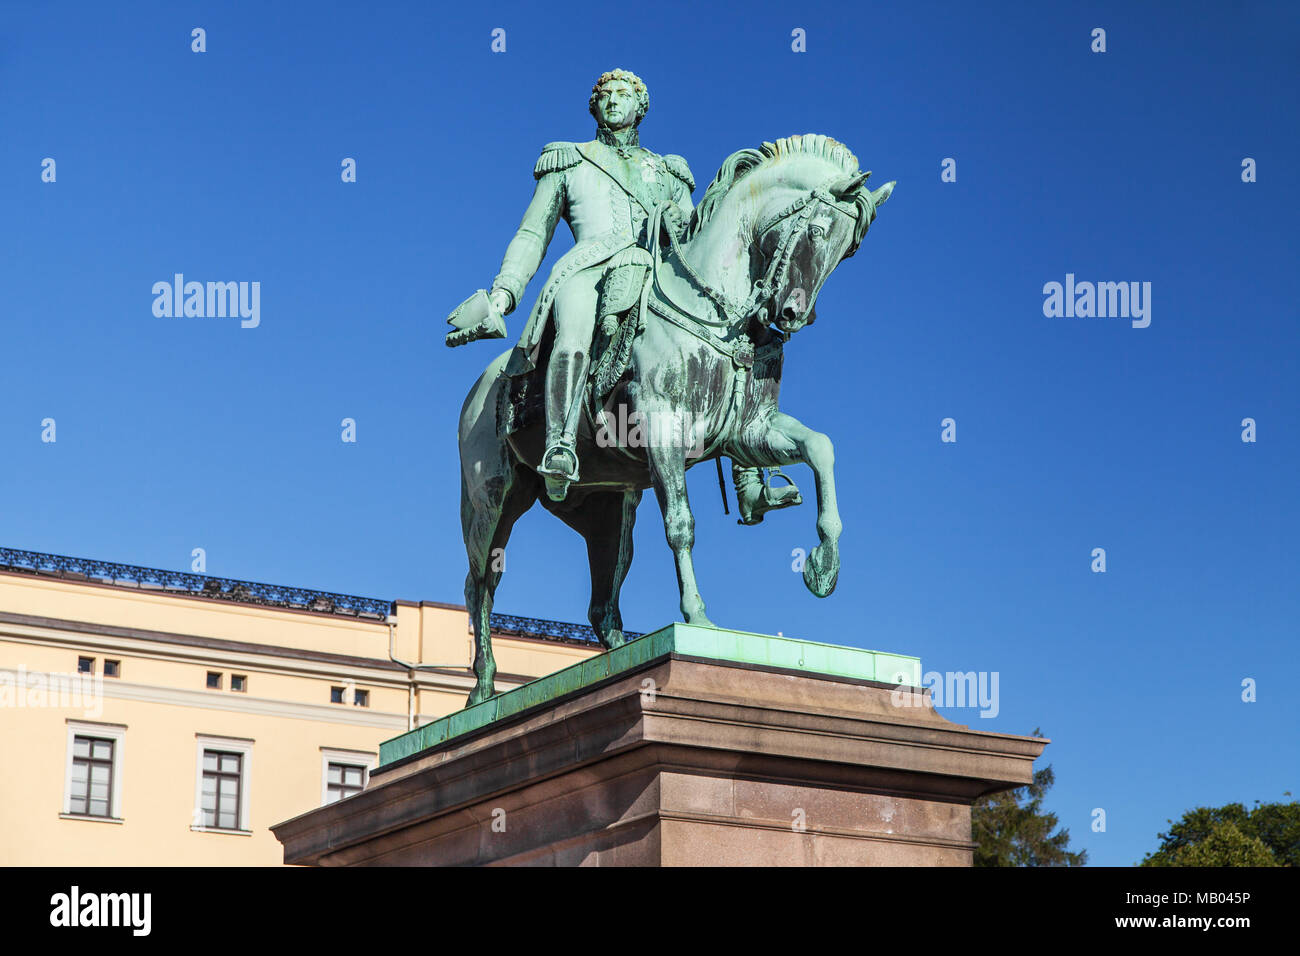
<point x="116" y="666"/>
<point x="117" y="734"/>
<point x="236" y="745"/>
<point x="352" y="758"/>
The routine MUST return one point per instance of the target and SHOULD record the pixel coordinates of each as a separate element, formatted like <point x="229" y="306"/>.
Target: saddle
<point x="628" y="290"/>
<point x="623" y="289"/>
<point x="523" y="401"/>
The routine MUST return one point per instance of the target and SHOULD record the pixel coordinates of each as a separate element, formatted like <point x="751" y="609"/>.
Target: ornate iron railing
<point x="548" y="630"/>
<point x="266" y="595"/>
<point x="198" y="585"/>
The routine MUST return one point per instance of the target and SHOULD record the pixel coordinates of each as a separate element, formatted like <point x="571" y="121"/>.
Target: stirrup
<point x="559" y="475"/>
<point x="768" y="498"/>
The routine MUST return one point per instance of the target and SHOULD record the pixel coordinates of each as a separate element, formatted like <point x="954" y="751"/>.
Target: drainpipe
<point x="410" y="675"/>
<point x="410" y="672"/>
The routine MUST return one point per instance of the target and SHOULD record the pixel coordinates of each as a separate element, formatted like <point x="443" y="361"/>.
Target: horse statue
<point x="700" y="375"/>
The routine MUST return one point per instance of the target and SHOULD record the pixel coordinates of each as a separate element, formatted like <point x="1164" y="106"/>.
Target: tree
<point x="1231" y="835"/>
<point x="1224" y="845"/>
<point x="1010" y="828"/>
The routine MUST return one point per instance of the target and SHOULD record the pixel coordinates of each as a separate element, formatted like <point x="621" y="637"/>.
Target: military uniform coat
<point x="606" y="200"/>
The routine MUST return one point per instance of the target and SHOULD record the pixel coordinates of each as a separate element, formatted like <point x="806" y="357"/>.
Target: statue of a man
<point x="605" y="189"/>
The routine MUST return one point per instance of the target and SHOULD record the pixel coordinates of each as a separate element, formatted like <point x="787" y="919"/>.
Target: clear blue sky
<point x="1073" y="434"/>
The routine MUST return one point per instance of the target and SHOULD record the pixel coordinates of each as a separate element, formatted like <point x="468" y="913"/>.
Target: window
<point x="336" y="695"/>
<point x="222" y="773"/>
<point x="361" y="698"/>
<point x="92" y="776"/>
<point x="238" y="682"/>
<point x="85" y="665"/>
<point x="214" y="680"/>
<point x="112" y="668"/>
<point x="343" y="773"/>
<point x="222" y="785"/>
<point x="93" y="772"/>
<point x="343" y="780"/>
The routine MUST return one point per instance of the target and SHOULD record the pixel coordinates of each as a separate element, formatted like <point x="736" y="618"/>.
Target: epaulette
<point x="556" y="156"/>
<point x="677" y="166"/>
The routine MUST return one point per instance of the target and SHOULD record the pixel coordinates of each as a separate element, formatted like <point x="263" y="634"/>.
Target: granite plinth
<point x="683" y="640"/>
<point x="682" y="757"/>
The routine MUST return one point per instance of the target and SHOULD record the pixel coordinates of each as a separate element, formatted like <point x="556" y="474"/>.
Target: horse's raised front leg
<point x="668" y="474"/>
<point x="788" y="441"/>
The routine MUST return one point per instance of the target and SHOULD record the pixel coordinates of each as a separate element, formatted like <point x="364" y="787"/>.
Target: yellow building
<point x="164" y="718"/>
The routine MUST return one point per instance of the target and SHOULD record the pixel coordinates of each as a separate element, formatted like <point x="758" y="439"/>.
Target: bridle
<point x="739" y="350"/>
<point x="764" y="288"/>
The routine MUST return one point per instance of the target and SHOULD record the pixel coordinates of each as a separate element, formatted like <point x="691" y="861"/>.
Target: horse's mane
<point x="744" y="161"/>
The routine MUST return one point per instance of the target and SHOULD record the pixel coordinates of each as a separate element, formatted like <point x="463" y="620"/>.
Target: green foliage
<point x="1231" y="835"/>
<point x="1010" y="828"/>
<point x="1224" y="845"/>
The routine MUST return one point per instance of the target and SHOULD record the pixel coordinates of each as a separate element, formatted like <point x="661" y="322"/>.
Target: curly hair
<point x="638" y="87"/>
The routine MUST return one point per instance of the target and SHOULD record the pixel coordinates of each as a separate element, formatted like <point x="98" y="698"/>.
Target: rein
<point x="763" y="288"/>
<point x="655" y="298"/>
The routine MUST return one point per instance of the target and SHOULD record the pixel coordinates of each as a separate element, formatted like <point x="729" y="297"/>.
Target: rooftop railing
<point x="264" y="595"/>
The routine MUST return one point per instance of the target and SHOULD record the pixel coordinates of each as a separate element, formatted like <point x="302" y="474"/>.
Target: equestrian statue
<point x="662" y="317"/>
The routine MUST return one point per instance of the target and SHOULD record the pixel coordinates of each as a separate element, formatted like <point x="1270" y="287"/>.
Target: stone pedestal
<point x="690" y="746"/>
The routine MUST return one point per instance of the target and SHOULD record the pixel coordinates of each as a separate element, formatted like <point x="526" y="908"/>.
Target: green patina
<point x="668" y="317"/>
<point x="683" y="640"/>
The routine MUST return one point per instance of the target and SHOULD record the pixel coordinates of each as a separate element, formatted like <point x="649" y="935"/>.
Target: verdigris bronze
<point x="655" y="344"/>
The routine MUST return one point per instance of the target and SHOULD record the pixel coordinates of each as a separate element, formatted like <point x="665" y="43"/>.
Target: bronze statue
<point x="694" y="308"/>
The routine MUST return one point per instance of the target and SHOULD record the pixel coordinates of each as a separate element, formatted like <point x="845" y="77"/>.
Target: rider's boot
<point x="565" y="378"/>
<point x="755" y="496"/>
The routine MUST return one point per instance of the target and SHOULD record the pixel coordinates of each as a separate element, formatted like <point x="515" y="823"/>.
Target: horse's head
<point x="804" y="208"/>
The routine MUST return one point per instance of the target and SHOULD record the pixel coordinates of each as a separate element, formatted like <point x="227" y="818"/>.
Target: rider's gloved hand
<point x="501" y="299"/>
<point x="674" y="220"/>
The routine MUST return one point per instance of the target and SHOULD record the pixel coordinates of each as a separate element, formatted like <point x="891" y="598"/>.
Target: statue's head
<point x="807" y="246"/>
<point x="824" y="234"/>
<point x="806" y="208"/>
<point x="619" y="100"/>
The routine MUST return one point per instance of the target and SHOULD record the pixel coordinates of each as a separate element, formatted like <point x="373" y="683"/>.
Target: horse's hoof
<point x="613" y="639"/>
<point x="821" y="572"/>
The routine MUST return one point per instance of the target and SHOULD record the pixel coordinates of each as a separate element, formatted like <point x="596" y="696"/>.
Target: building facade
<point x="150" y="717"/>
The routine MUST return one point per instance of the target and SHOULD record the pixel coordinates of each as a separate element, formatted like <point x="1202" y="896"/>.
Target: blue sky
<point x="1073" y="434"/>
